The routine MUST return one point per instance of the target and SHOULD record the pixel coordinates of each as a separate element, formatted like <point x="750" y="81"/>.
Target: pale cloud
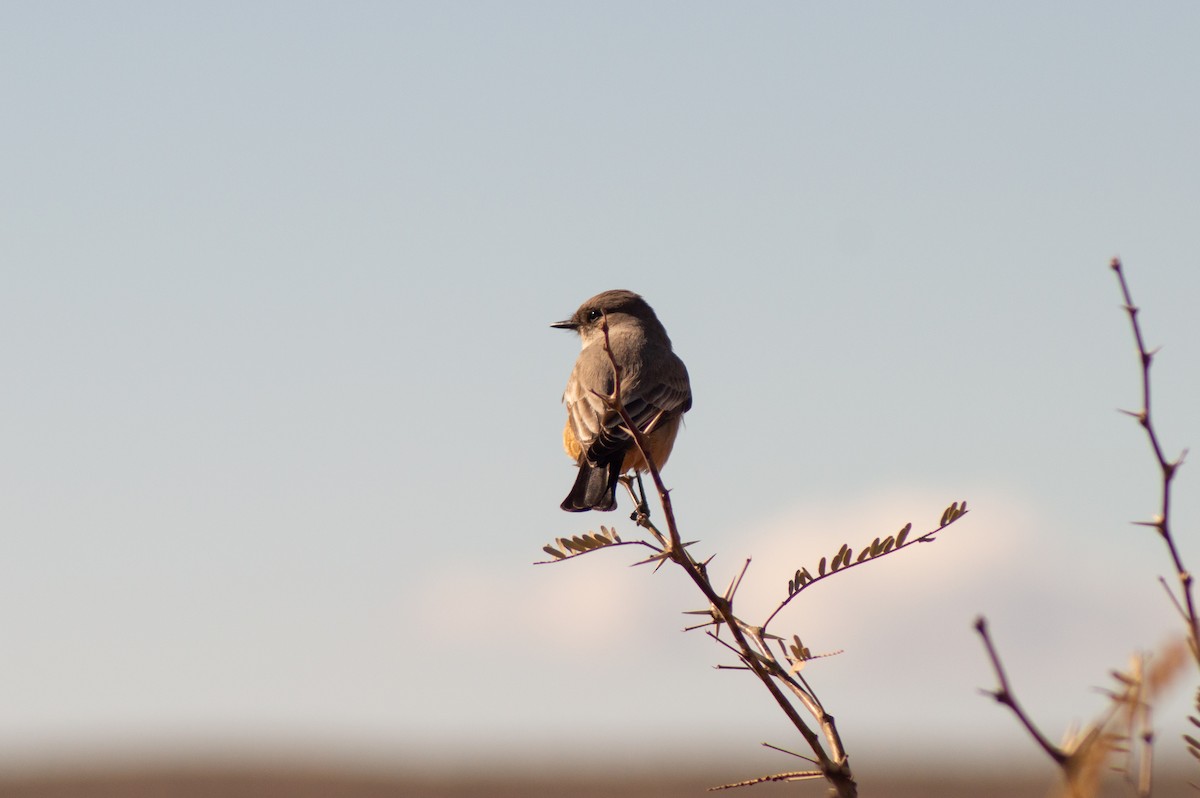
<point x="903" y="621"/>
<point x="1007" y="558"/>
<point x="597" y="601"/>
<point x="564" y="609"/>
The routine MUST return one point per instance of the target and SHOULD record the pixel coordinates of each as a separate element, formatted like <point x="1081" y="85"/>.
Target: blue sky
<point x="281" y="437"/>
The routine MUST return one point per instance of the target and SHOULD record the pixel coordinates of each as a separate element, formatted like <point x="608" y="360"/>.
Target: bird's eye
<point x="592" y="315"/>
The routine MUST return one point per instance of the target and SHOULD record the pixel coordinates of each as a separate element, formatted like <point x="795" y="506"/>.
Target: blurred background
<point x="280" y="436"/>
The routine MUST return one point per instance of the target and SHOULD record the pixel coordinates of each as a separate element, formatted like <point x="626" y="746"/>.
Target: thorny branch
<point x="1162" y="521"/>
<point x="750" y="644"/>
<point x="834" y="764"/>
<point x="1004" y="695"/>
<point x="1125" y="726"/>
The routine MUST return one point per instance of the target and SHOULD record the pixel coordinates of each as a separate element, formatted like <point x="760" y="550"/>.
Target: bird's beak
<point x="566" y="324"/>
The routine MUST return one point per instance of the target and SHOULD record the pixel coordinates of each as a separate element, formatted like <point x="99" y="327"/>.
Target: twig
<point x="948" y="518"/>
<point x="748" y="643"/>
<point x="1004" y="695"/>
<point x="834" y="767"/>
<point x="796" y="775"/>
<point x="789" y="753"/>
<point x="1162" y="522"/>
<point x="575" y="554"/>
<point x="1125" y="726"/>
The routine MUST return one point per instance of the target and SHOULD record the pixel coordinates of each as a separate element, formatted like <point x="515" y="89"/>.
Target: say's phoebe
<point x="654" y="391"/>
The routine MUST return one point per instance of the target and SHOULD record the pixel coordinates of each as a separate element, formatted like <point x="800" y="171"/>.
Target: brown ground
<point x="267" y="784"/>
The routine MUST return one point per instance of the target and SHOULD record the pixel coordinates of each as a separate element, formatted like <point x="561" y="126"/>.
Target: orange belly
<point x="660" y="442"/>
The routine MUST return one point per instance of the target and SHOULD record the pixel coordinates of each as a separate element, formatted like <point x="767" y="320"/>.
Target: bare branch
<point x="835" y="768"/>
<point x="748" y="643"/>
<point x="1168" y="468"/>
<point x="1004" y="695"/>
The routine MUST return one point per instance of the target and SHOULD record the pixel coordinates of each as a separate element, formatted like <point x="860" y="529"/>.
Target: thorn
<point x="995" y="695"/>
<point x="736" y="583"/>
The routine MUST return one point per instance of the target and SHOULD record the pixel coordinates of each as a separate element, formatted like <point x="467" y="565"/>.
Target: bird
<point x="654" y="390"/>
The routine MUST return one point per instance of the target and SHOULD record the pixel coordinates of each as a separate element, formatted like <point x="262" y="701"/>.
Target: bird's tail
<point x="595" y="487"/>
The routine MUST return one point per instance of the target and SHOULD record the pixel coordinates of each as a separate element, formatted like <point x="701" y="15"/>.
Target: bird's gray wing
<point x="647" y="395"/>
<point x="587" y="413"/>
